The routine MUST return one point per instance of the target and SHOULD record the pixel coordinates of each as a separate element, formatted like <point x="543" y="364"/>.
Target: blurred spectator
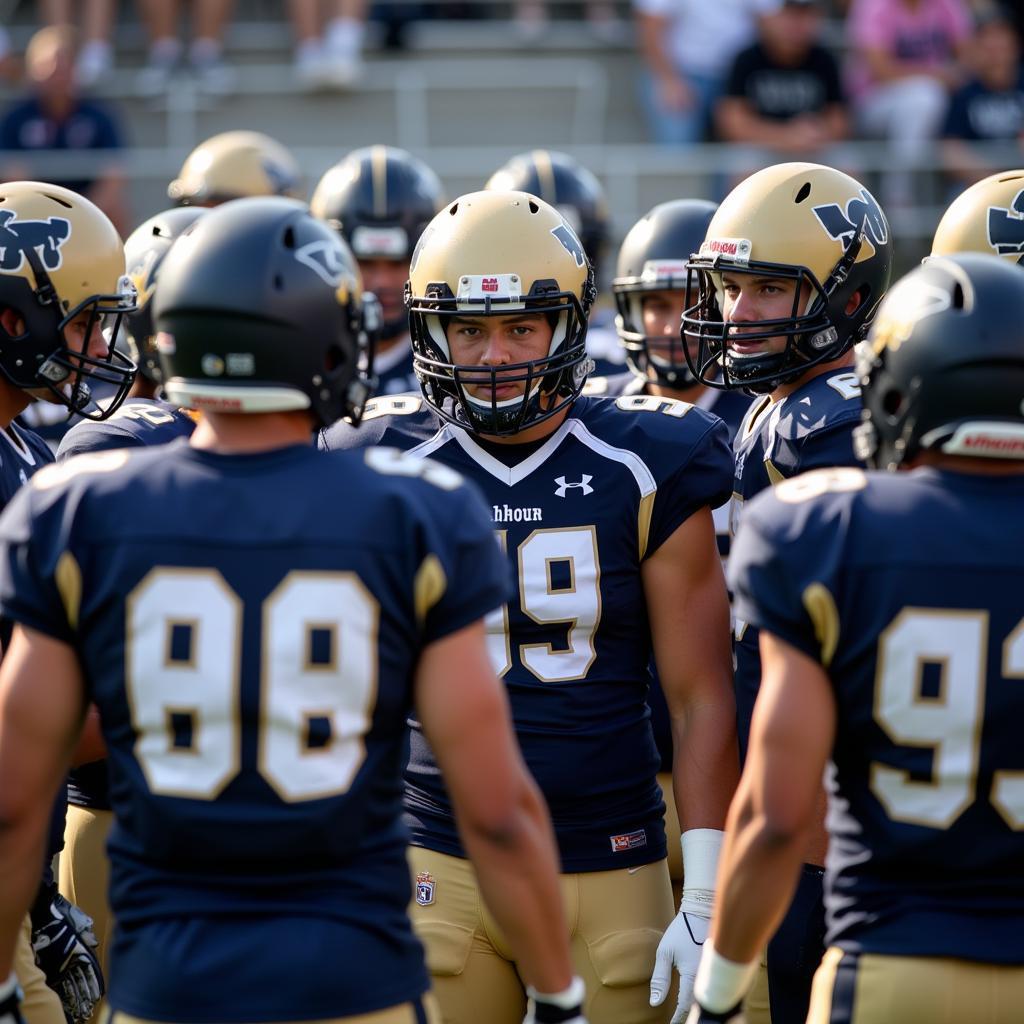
<point x="906" y="58"/>
<point x="532" y="18"/>
<point x="989" y="107"/>
<point x="95" y="55"/>
<point x="688" y="46"/>
<point x="56" y="117"/>
<point x="328" y="49"/>
<point x="205" y="52"/>
<point x="783" y="94"/>
<point x="8" y="63"/>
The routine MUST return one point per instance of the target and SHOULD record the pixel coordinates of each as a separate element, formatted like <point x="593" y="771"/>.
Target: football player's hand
<point x="698" y="1015"/>
<point x="64" y="945"/>
<point x="561" y="1008"/>
<point x="680" y="947"/>
<point x="10" y="1001"/>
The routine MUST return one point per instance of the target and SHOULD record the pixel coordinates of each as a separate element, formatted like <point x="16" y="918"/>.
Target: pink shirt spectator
<point x="925" y="34"/>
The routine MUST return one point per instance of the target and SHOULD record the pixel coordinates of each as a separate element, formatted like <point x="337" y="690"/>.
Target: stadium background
<point x="464" y="94"/>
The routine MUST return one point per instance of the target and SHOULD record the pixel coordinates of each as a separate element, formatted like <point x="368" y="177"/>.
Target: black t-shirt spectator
<point x="783" y="92"/>
<point x="980" y="114"/>
<point x="90" y="126"/>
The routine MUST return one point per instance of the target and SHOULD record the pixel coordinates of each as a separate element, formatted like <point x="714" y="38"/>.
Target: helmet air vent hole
<point x="289" y="238"/>
<point x="59" y="201"/>
<point x="958" y="296"/>
<point x="805" y="191"/>
<point x="453" y="209"/>
<point x="534" y="208"/>
<point x="279" y="282"/>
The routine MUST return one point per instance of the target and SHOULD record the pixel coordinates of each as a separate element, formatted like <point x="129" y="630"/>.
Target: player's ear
<point x="12" y="322"/>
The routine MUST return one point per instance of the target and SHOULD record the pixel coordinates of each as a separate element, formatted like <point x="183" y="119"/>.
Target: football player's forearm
<point x="517" y="870"/>
<point x="757" y="878"/>
<point x="705" y="762"/>
<point x="22" y="849"/>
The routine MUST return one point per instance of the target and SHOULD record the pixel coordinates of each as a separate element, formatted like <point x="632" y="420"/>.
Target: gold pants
<point x="616" y="919"/>
<point x="877" y="989"/>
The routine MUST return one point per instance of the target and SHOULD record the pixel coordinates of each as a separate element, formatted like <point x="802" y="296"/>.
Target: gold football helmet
<point x="795" y="221"/>
<point x="493" y="254"/>
<point x="987" y="217"/>
<point x="60" y="257"/>
<point x="236" y="164"/>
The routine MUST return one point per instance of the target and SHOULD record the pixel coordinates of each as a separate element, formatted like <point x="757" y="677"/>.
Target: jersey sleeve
<point x="34" y="567"/>
<point x="84" y="438"/>
<point x="704" y="479"/>
<point x="476" y="577"/>
<point x="785" y="564"/>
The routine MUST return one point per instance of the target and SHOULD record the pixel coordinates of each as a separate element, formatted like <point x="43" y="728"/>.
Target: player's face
<point x="386" y="279"/>
<point x="749" y="298"/>
<point x="662" y="313"/>
<point x="496" y="341"/>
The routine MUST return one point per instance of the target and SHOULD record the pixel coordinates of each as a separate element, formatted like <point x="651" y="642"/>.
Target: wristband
<point x="721" y="984"/>
<point x="701" y="849"/>
<point x="568" y="999"/>
<point x="9" y="987"/>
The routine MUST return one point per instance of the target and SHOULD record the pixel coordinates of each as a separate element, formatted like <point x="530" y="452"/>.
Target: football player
<point x="792" y="269"/>
<point x="380" y="199"/>
<point x="62" y="277"/>
<point x="254" y="665"/>
<point x="579" y="197"/>
<point x="143" y="419"/>
<point x="604" y="512"/>
<point x="987" y="217"/>
<point x="233" y="165"/>
<point x="649" y="288"/>
<point x="891" y="626"/>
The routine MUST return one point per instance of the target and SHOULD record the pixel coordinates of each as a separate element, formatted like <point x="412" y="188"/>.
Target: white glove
<point x="683" y="941"/>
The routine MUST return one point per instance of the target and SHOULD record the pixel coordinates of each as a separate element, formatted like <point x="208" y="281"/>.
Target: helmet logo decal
<point x="1006" y="226"/>
<point x="280" y="180"/>
<point x="44" y="236"/>
<point x="909" y="303"/>
<point x="572" y="245"/>
<point x="842" y="225"/>
<point x="325" y="259"/>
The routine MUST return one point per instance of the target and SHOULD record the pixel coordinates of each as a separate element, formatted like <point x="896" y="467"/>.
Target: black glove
<point x="64" y="945"/>
<point x="10" y="1002"/>
<point x="561" y="1008"/>
<point x="698" y="1015"/>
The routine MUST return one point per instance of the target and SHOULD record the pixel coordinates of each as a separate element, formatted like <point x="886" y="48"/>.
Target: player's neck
<point x="142" y="388"/>
<point x="250" y="433"/>
<point x="966" y="464"/>
<point x="690" y="394"/>
<point x="785" y="390"/>
<point x="534" y="433"/>
<point x="13" y="402"/>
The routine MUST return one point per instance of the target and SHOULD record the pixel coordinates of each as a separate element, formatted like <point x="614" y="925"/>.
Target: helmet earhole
<point x="805" y="191"/>
<point x="892" y="402"/>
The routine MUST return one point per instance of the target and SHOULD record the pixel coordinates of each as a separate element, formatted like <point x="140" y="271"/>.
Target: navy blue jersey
<point x="394" y="370"/>
<point x="252" y="660"/>
<point x="810" y="429"/>
<point x="577" y="515"/>
<point x="139" y="422"/>
<point x="906" y="587"/>
<point x="22" y="453"/>
<point x="730" y="407"/>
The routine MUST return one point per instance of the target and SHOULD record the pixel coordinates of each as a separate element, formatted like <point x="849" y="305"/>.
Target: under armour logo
<point x="18" y="236"/>
<point x="583" y="484"/>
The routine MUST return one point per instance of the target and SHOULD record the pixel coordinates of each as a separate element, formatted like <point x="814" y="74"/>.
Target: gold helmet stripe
<point x="379" y="170"/>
